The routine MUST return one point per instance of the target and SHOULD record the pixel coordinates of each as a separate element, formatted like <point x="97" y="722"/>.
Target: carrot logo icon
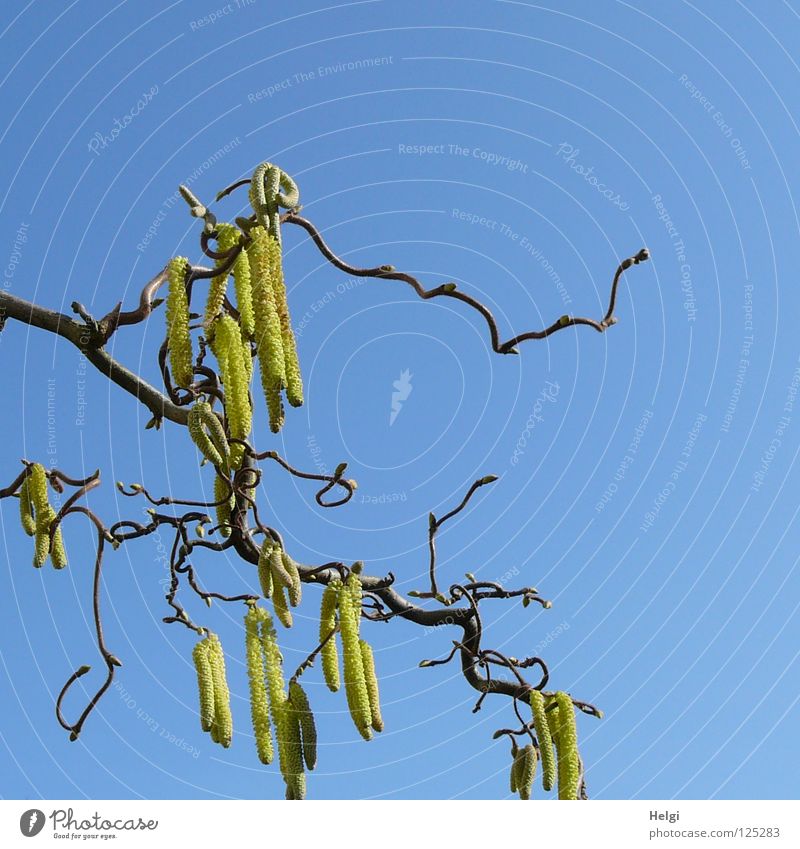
<point x="402" y="388"/>
<point x="31" y="822"/>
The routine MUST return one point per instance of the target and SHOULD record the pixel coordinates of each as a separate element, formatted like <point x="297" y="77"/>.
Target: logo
<point x="31" y="822"/>
<point x="403" y="389"/>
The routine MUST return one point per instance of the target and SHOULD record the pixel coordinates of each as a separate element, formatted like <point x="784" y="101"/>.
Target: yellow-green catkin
<point x="526" y="771"/>
<point x="280" y="581"/>
<point x="259" y="702"/>
<point x="293" y="773"/>
<point x="276" y="690"/>
<point x="516" y="760"/>
<point x="179" y="340"/>
<point x="371" y="680"/>
<point x="264" y="570"/>
<point x="238" y="412"/>
<point x="295" y="585"/>
<point x="294" y="380"/>
<point x="566" y="739"/>
<point x="544" y="739"/>
<point x="222" y="729"/>
<point x="223" y="497"/>
<point x="227" y="238"/>
<point x="208" y="435"/>
<point x="26" y="510"/>
<point x="205" y="683"/>
<point x="327" y="624"/>
<point x="244" y="294"/>
<point x="268" y="339"/>
<point x="354" y="585"/>
<point x="43" y="515"/>
<point x="308" y="728"/>
<point x="355" y="684"/>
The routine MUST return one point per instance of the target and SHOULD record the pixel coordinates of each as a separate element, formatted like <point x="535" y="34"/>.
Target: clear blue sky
<point x="589" y="132"/>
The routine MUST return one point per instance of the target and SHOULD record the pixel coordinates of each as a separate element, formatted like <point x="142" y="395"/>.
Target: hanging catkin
<point x="222" y="727"/>
<point x="327" y="625"/>
<point x="230" y="354"/>
<point x="294" y="380"/>
<point x="308" y="728"/>
<point x="371" y="680"/>
<point x="227" y="238"/>
<point x="256" y="676"/>
<point x="208" y="435"/>
<point x="268" y="339"/>
<point x="544" y="739"/>
<point x="26" y="510"/>
<point x="566" y="739"/>
<point x="179" y="340"/>
<point x="224" y="499"/>
<point x="43" y="515"/>
<point x="205" y="684"/>
<point x="354" y="682"/>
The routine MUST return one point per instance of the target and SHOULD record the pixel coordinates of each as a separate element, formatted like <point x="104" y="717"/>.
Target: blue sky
<point x="648" y="476"/>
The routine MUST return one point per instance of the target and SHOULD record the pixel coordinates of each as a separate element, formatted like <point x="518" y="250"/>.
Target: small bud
<point x="564" y="320"/>
<point x="200" y="530"/>
<point x="353" y="483"/>
<point x="440" y="598"/>
<point x="358" y="567"/>
<point x="547" y="605"/>
<point x="470" y="577"/>
<point x="525" y="601"/>
<point x="413" y="594"/>
<point x="424" y="663"/>
<point x="339" y="470"/>
<point x="488" y="479"/>
<point x="114" y="660"/>
<point x="82" y="671"/>
<point x="431" y="521"/>
<point x="449" y="287"/>
<point x="137" y="487"/>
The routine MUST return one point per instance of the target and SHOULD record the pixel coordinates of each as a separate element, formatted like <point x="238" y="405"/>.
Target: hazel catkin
<point x="544" y="739"/>
<point x="227" y="238"/>
<point x="354" y="682"/>
<point x="327" y="627"/>
<point x="223" y="719"/>
<point x="259" y="702"/>
<point x="308" y="728"/>
<point x="205" y="684"/>
<point x="178" y="339"/>
<point x="371" y="680"/>
<point x="566" y="739"/>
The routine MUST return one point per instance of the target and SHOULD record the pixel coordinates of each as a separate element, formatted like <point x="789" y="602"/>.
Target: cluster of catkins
<point x="557" y="738"/>
<point x="279" y="711"/>
<point x="263" y="325"/>
<point x="36" y="515"/>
